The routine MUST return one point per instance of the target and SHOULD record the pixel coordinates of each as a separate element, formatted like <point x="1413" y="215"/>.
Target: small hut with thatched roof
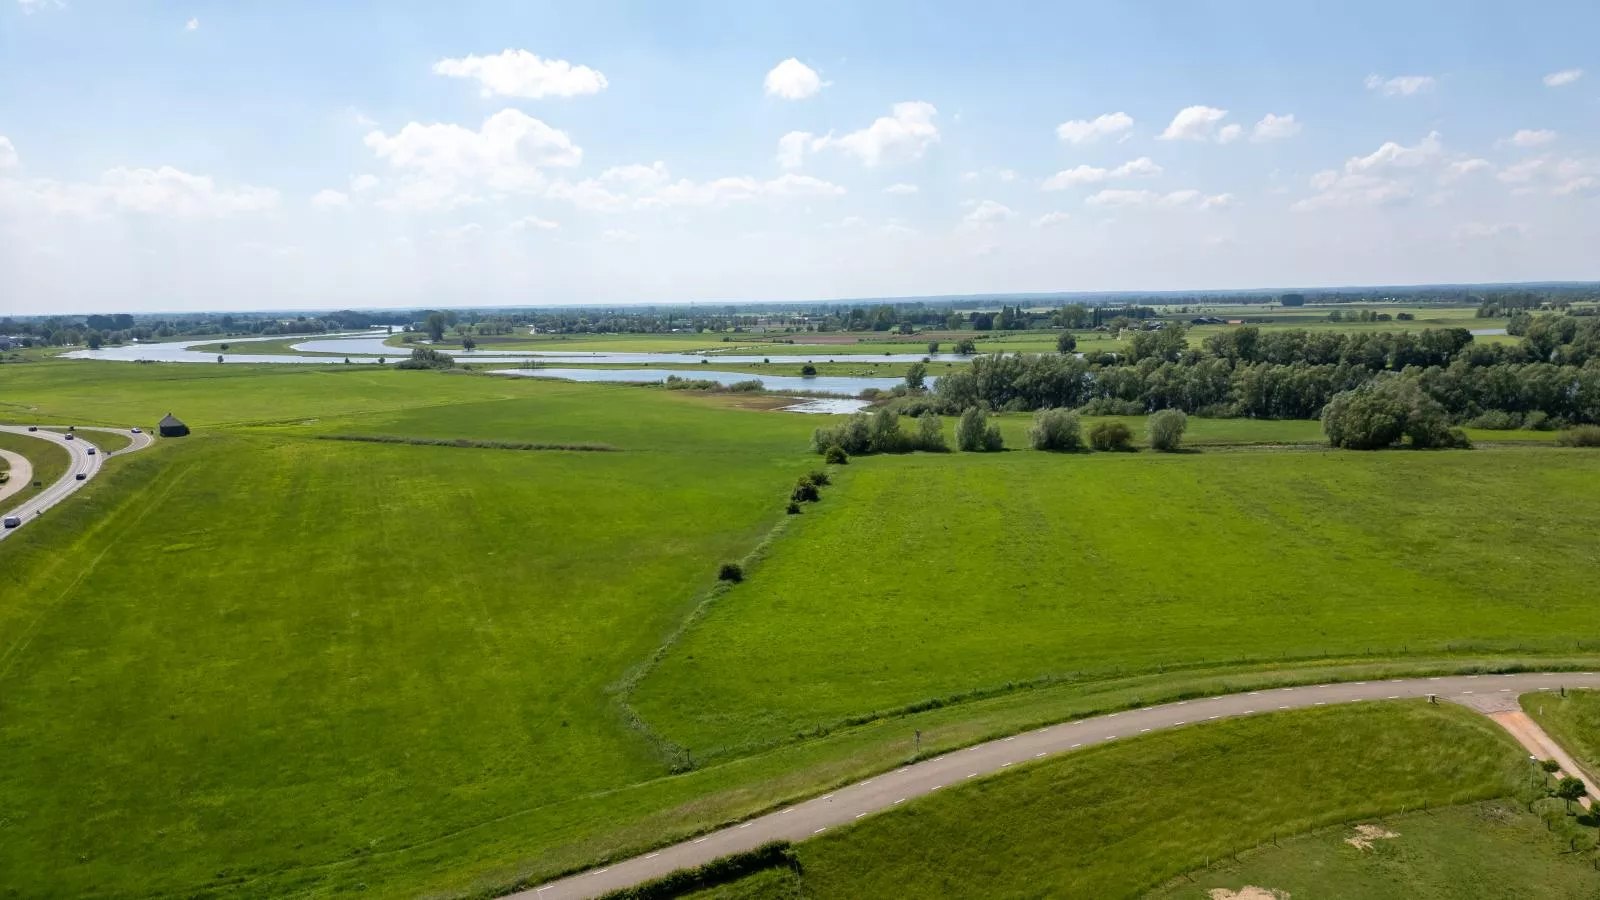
<point x="171" y="427"/>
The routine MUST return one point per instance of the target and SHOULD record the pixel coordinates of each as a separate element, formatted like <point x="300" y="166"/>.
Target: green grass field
<point x="49" y="461"/>
<point x="273" y="652"/>
<point x="926" y="576"/>
<point x="1573" y="720"/>
<point x="256" y="662"/>
<point x="1120" y="818"/>
<point x="1493" y="851"/>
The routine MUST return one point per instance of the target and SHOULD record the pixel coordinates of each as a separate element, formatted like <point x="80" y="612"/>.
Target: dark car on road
<point x="81" y="476"/>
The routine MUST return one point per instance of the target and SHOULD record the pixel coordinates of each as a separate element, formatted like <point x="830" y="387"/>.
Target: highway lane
<point x="81" y="462"/>
<point x="847" y="804"/>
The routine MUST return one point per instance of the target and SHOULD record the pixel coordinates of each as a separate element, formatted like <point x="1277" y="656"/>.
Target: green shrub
<point x="1056" y="429"/>
<point x="819" y="478"/>
<point x="731" y="572"/>
<point x="1066" y="343"/>
<point x="916" y="377"/>
<point x="1165" y="429"/>
<point x="1584" y="436"/>
<point x="1380" y="413"/>
<point x="1111" y="436"/>
<point x="1497" y="420"/>
<point x="427" y="358"/>
<point x="930" y="433"/>
<point x="808" y="371"/>
<point x="717" y="872"/>
<point x="835" y="456"/>
<point x="854" y="436"/>
<point x="805" y="491"/>
<point x="974" y="434"/>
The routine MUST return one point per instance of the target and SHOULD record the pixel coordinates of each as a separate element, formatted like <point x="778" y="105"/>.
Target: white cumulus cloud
<point x="165" y="191"/>
<point x="1274" y="128"/>
<point x="1143" y="167"/>
<point x="1052" y="218"/>
<point x="1531" y="137"/>
<point x="1393" y="155"/>
<point x="1563" y="77"/>
<point x="329" y="198"/>
<point x="1084" y="131"/>
<point x="444" y="163"/>
<point x="533" y="223"/>
<point x="8" y="153"/>
<point x="793" y="80"/>
<point x="1188" y="198"/>
<point x="1461" y="168"/>
<point x="1401" y="85"/>
<point x="518" y="73"/>
<point x="1196" y="123"/>
<point x="363" y="183"/>
<point x="901" y="189"/>
<point x="643" y="187"/>
<point x="988" y="213"/>
<point x="902" y="136"/>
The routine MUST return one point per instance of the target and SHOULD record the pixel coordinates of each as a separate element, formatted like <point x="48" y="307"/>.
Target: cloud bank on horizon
<point x="529" y="155"/>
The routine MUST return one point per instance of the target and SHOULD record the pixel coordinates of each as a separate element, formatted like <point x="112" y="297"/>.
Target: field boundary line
<point x="622" y="689"/>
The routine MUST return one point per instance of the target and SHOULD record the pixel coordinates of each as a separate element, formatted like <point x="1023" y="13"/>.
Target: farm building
<point x="171" y="427"/>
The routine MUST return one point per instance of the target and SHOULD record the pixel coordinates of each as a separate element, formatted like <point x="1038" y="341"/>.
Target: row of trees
<point x="1554" y="372"/>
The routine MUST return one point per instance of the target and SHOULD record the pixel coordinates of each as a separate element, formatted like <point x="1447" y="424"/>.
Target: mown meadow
<point x="926" y="576"/>
<point x="1121" y="818"/>
<point x="257" y="661"/>
<point x="1485" y="850"/>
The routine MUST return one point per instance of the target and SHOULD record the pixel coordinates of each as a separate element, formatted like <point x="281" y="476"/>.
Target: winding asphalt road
<point x="82" y="461"/>
<point x="21" y="472"/>
<point x="886" y="791"/>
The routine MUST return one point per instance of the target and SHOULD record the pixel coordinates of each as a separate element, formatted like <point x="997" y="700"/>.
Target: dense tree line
<point x="1553" y="373"/>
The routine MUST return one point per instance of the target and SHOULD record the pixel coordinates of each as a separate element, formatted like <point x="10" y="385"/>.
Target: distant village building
<point x="171" y="427"/>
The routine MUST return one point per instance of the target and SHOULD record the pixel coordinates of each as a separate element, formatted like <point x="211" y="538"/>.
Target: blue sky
<point x="233" y="155"/>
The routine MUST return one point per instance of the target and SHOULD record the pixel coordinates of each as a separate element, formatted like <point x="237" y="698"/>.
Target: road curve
<point x="21" y="472"/>
<point x="81" y="462"/>
<point x="890" y="789"/>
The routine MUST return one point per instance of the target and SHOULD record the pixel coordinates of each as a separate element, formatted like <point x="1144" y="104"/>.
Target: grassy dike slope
<point x="1487" y="851"/>
<point x="935" y="575"/>
<point x="255" y="656"/>
<point x="1118" y="819"/>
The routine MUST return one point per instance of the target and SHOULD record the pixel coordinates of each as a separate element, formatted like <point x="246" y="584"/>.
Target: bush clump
<point x="427" y="358"/>
<point x="726" y="870"/>
<point x="1111" y="436"/>
<point x="1496" y="420"/>
<point x="834" y="455"/>
<point x="1165" y="429"/>
<point x="732" y="572"/>
<point x="1056" y="429"/>
<point x="975" y="434"/>
<point x="1585" y="436"/>
<point x="805" y="491"/>
<point x="1380" y="413"/>
<point x="878" y="432"/>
